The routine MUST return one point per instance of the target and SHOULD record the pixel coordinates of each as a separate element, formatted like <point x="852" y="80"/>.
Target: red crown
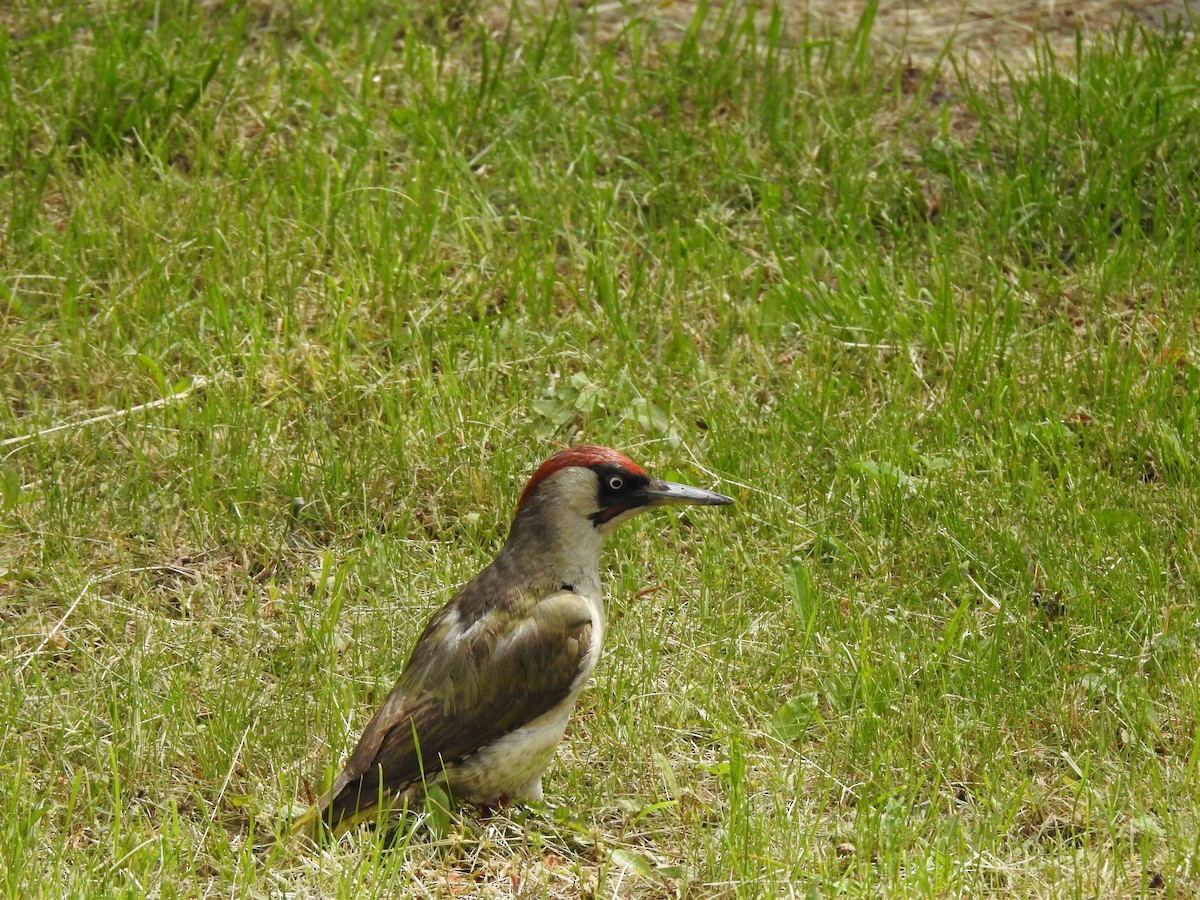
<point x="578" y="456"/>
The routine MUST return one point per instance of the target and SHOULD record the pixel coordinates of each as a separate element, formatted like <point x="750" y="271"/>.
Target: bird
<point x="484" y="699"/>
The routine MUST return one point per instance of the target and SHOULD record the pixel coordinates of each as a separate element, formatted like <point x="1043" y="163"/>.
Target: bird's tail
<point x="310" y="825"/>
<point x="325" y="820"/>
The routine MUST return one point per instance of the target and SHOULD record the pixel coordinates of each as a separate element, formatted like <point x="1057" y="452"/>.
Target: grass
<point x="936" y="330"/>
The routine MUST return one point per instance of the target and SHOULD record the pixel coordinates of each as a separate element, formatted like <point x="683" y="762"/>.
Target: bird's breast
<point x="595" y="606"/>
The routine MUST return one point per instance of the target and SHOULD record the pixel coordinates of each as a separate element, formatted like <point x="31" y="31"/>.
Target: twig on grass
<point x="198" y="381"/>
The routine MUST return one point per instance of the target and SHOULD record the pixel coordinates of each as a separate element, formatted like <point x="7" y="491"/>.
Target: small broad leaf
<point x="653" y="420"/>
<point x="884" y="473"/>
<point x="1147" y="824"/>
<point x="668" y="774"/>
<point x="652" y="808"/>
<point x="649" y="416"/>
<point x="589" y="395"/>
<point x="545" y="406"/>
<point x="827" y="547"/>
<point x="10" y="486"/>
<point x="933" y="463"/>
<point x="676" y="873"/>
<point x="558" y="409"/>
<point x="581" y="382"/>
<point x="800" y="588"/>
<point x="795" y="716"/>
<point x="1099" y="683"/>
<point x="629" y="860"/>
<point x="437" y="809"/>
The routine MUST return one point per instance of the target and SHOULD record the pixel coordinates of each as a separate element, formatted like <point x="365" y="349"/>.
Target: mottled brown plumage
<point x="486" y="693"/>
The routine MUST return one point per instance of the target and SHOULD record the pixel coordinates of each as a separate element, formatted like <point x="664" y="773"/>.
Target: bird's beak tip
<point x="668" y="493"/>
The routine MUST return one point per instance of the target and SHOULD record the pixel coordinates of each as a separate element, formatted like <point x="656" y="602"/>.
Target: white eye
<point x="615" y="482"/>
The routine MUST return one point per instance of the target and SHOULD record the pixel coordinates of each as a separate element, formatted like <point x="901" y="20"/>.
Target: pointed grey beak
<point x="668" y="493"/>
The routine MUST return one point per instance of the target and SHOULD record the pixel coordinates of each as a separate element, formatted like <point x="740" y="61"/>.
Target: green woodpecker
<point x="485" y="697"/>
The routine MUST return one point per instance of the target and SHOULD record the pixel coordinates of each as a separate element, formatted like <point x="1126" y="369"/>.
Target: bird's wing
<point x="466" y="685"/>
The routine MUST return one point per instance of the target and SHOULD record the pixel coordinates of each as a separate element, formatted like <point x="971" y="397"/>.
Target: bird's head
<point x="603" y="488"/>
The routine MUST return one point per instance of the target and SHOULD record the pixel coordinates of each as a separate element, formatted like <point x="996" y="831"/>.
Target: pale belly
<point x="510" y="770"/>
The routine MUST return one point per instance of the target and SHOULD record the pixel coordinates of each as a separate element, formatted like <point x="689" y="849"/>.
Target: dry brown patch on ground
<point x="979" y="32"/>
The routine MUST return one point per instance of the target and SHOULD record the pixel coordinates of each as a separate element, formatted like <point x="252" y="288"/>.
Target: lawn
<point x="295" y="297"/>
